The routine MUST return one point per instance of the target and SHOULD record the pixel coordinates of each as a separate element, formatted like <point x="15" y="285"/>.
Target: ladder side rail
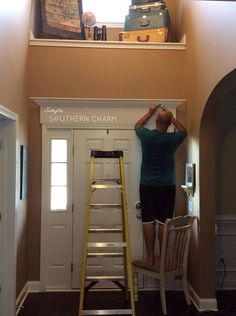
<point x="86" y="238"/>
<point x="124" y="235"/>
<point x="127" y="237"/>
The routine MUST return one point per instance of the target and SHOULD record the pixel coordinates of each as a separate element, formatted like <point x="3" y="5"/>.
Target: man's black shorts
<point x="157" y="203"/>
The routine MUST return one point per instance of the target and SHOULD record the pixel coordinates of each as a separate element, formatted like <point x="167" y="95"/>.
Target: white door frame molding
<point x="69" y="114"/>
<point x="9" y="128"/>
<point x="97" y="113"/>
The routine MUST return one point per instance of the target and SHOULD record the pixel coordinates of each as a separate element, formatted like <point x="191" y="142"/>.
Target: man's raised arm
<point x="144" y="119"/>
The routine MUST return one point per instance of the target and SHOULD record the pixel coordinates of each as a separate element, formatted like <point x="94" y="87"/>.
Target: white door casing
<point x="8" y="205"/>
<point x="87" y="117"/>
<point x="1" y="207"/>
<point x="85" y="141"/>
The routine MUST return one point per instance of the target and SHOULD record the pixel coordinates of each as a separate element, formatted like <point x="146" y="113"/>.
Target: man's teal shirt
<point x="158" y="150"/>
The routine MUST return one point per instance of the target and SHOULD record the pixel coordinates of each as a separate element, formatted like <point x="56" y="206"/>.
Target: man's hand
<point x="178" y="126"/>
<point x="172" y="117"/>
<point x="153" y="108"/>
<point x="143" y="120"/>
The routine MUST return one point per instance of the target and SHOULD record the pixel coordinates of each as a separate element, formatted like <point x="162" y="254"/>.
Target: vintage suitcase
<point x="141" y="1"/>
<point x="155" y="7"/>
<point x="149" y="16"/>
<point x="149" y="35"/>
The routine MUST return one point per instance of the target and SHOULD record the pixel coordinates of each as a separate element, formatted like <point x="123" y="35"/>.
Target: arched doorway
<point x="217" y="125"/>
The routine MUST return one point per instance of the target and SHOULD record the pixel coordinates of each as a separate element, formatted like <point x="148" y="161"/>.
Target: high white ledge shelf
<point x="107" y="44"/>
<point x="106" y="102"/>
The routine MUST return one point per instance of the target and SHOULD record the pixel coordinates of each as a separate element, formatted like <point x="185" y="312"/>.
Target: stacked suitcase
<point x="148" y="21"/>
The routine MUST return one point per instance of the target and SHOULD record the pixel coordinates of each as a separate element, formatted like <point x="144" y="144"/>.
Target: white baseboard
<point x="33" y="286"/>
<point x="203" y="304"/>
<point x="30" y="287"/>
<point x="21" y="298"/>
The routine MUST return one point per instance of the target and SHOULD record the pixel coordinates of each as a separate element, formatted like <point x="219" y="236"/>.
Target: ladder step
<point x="107" y="312"/>
<point x="107" y="180"/>
<point x="105" y="254"/>
<point x="107" y="154"/>
<point x="105" y="277"/>
<point x="107" y="244"/>
<point x="111" y="205"/>
<point x="106" y="186"/>
<point x="105" y="230"/>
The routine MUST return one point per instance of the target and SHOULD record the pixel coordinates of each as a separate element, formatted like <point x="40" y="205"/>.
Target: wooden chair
<point x="173" y="259"/>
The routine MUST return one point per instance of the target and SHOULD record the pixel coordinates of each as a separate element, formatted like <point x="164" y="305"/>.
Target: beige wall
<point x="93" y="73"/>
<point x="34" y="196"/>
<point x="210" y="28"/>
<point x="14" y="31"/>
<point x="104" y="73"/>
<point x="98" y="73"/>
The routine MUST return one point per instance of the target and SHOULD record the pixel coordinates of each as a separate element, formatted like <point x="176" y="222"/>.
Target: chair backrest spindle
<point x="175" y="245"/>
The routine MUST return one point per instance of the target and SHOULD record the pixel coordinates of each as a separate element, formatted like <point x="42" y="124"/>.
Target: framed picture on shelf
<point x="62" y="19"/>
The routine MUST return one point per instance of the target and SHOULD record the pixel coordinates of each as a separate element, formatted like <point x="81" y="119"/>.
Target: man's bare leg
<point x="149" y="231"/>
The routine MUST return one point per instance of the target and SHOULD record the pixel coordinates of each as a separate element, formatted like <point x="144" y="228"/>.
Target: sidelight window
<point x="59" y="174"/>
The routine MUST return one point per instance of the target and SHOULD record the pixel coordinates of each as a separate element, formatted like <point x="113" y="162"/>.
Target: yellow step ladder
<point x="123" y="247"/>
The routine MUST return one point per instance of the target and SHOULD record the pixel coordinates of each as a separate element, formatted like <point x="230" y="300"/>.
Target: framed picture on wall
<point x="190" y="175"/>
<point x="23" y="171"/>
<point x="62" y="19"/>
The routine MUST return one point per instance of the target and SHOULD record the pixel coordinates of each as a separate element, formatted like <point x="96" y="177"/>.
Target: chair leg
<point x="163" y="296"/>
<point x="136" y="286"/>
<point x="186" y="289"/>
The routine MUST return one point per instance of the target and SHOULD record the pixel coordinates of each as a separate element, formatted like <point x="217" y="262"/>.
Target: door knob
<point x="138" y="205"/>
<point x="139" y="216"/>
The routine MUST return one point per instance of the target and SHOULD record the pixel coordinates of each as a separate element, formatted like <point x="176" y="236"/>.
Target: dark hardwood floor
<point x="66" y="303"/>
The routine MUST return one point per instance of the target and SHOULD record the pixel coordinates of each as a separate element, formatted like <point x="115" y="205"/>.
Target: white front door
<point x="66" y="158"/>
<point x="84" y="142"/>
